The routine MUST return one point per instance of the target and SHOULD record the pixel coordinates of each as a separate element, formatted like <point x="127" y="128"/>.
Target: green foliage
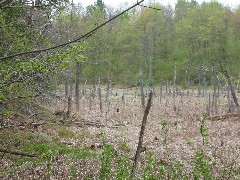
<point x="106" y="159"/>
<point x="157" y="40"/>
<point x="164" y="124"/>
<point x="73" y="171"/>
<point x="190" y="143"/>
<point x="125" y="16"/>
<point x="66" y="133"/>
<point x="83" y="154"/>
<point x="202" y="167"/>
<point x="123" y="146"/>
<point x="176" y="170"/>
<point x="47" y="150"/>
<point x="113" y="164"/>
<point x="191" y="36"/>
<point x="203" y="130"/>
<point x="149" y="171"/>
<point x="31" y="75"/>
<point x="123" y="167"/>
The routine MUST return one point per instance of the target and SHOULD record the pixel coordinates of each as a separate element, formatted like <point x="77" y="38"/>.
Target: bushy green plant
<point x="73" y="171"/>
<point x="106" y="157"/>
<point x="164" y="124"/>
<point x="123" y="146"/>
<point x="66" y="133"/>
<point x="123" y="167"/>
<point x="149" y="171"/>
<point x="202" y="168"/>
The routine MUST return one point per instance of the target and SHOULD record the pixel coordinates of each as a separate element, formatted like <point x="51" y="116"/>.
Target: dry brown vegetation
<point x="170" y="135"/>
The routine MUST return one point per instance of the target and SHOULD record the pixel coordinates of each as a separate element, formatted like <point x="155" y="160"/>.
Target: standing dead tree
<point x="78" y="68"/>
<point x="235" y="99"/>
<point x="215" y="109"/>
<point x="142" y="92"/>
<point x="140" y="141"/>
<point x="174" y="86"/>
<point x="161" y="90"/>
<point x="69" y="106"/>
<point x="108" y="88"/>
<point x="100" y="99"/>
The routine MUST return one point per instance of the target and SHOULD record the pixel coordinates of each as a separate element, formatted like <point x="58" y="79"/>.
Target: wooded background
<point x="195" y="38"/>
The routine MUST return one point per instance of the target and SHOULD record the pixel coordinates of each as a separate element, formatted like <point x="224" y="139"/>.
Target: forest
<point x="78" y="84"/>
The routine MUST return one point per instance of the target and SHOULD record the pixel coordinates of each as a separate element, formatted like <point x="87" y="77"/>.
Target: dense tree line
<point x="193" y="36"/>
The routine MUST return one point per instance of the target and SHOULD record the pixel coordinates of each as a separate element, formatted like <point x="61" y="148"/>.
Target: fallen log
<point x="222" y="117"/>
<point x="17" y="153"/>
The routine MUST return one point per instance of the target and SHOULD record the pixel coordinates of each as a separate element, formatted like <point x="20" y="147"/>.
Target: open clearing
<point x="170" y="136"/>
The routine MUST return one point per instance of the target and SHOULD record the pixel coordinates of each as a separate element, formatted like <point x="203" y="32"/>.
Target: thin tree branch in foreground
<point x="77" y="39"/>
<point x="150" y="7"/>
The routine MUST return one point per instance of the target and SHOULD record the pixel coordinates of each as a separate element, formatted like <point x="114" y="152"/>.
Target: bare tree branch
<point x="150" y="7"/>
<point x="36" y="6"/>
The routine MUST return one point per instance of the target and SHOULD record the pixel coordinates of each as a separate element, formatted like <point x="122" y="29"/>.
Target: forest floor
<point x="74" y="148"/>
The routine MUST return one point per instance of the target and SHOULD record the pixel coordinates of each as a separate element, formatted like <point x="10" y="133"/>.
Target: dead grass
<point x="184" y="138"/>
<point x="121" y="125"/>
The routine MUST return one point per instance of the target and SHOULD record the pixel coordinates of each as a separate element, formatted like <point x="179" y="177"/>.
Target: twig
<point x="36" y="6"/>
<point x="150" y="7"/>
<point x="17" y="153"/>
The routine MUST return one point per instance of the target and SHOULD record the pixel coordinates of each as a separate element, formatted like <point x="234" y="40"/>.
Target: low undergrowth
<point x="63" y="155"/>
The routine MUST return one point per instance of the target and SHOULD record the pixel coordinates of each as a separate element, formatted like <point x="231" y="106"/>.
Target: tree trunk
<point x="140" y="141"/>
<point x="214" y="89"/>
<point x="100" y="99"/>
<point x="142" y="92"/>
<point x="69" y="106"/>
<point x="78" y="70"/>
<point x="67" y="83"/>
<point x="174" y="86"/>
<point x="108" y="88"/>
<point x="232" y="91"/>
<point x="161" y="90"/>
